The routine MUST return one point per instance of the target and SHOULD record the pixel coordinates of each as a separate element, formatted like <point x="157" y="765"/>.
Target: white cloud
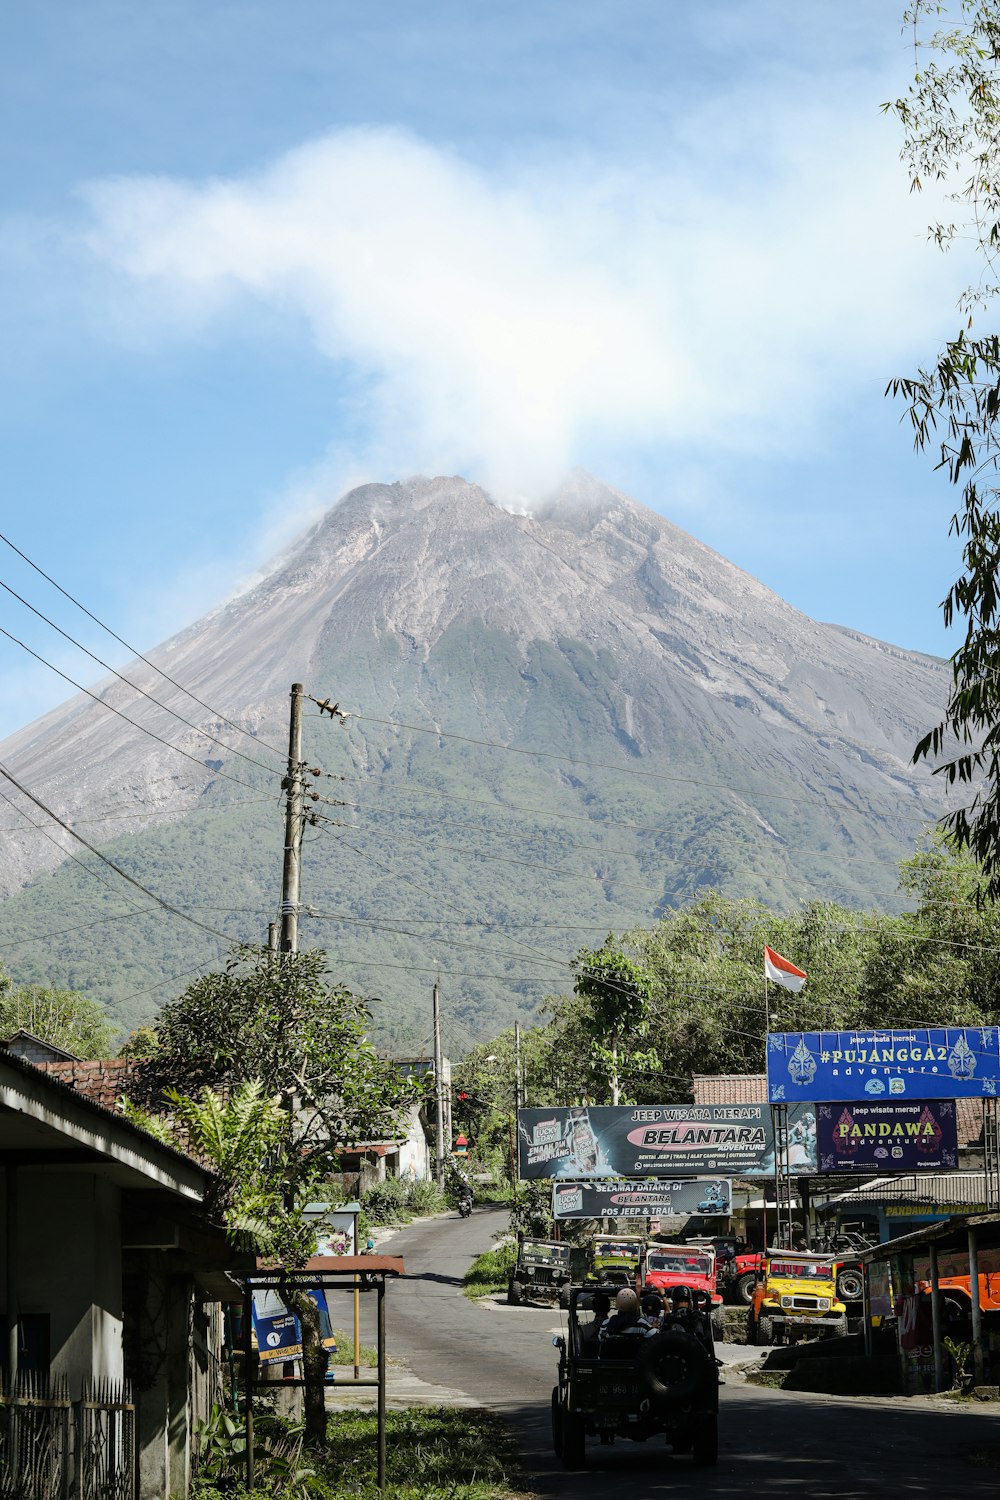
<point x="511" y="323"/>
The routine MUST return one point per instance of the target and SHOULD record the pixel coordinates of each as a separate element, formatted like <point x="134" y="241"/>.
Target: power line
<point x="138" y="654"/>
<point x="166" y="905"/>
<point x="779" y="843"/>
<point x="574" y="760"/>
<point x="135" y="686"/>
<point x="46" y="835"/>
<point x="111" y="709"/>
<point x="158" y="812"/>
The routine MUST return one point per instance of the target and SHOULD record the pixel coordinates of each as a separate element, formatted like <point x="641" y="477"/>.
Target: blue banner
<point x="938" y="1062"/>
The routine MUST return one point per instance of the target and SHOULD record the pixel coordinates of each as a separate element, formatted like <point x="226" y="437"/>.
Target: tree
<point x="62" y="1017"/>
<point x="951" y="124"/>
<point x="617" y="990"/>
<point x="272" y="1033"/>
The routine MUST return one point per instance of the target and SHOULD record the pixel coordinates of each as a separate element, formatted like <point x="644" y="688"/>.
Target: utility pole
<point x="292" y="786"/>
<point x="272" y="943"/>
<point x="438" y="1088"/>
<point x="518" y="1086"/>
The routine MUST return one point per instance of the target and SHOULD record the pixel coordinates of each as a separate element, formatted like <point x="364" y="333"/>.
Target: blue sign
<point x="934" y="1062"/>
<point x="277" y="1330"/>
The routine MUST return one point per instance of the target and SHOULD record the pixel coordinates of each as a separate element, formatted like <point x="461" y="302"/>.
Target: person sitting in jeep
<point x="600" y="1306"/>
<point x="652" y="1309"/>
<point x="683" y="1314"/>
<point x="626" y="1318"/>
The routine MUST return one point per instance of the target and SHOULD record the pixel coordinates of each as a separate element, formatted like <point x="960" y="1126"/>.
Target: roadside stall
<point x="944" y="1283"/>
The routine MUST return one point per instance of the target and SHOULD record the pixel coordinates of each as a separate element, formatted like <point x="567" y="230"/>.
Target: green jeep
<point x="614" y="1259"/>
<point x="544" y="1268"/>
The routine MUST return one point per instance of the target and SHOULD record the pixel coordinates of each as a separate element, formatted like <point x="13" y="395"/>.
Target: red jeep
<point x="693" y="1266"/>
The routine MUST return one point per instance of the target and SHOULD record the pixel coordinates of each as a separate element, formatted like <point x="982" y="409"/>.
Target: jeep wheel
<point x="838" y="1327"/>
<point x="556" y="1423"/>
<point x="564" y="1298"/>
<point x="574" y="1441"/>
<point x="672" y="1367"/>
<point x="850" y="1284"/>
<point x="764" y="1332"/>
<point x="745" y="1284"/>
<point x="515" y="1294"/>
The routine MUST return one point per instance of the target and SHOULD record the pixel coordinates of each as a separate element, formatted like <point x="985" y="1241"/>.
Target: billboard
<point x="659" y="1140"/>
<point x="643" y="1198"/>
<point x="914" y="1135"/>
<point x="943" y="1062"/>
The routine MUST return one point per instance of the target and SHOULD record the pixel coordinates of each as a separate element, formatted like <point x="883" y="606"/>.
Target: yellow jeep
<point x="795" y="1296"/>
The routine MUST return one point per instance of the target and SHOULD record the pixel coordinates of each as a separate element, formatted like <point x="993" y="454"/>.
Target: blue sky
<point x="254" y="253"/>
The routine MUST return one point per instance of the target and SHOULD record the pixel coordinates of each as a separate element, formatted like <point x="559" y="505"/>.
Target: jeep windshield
<point x="801" y="1270"/>
<point x="679" y="1265"/>
<point x="538" y="1250"/>
<point x="618" y="1249"/>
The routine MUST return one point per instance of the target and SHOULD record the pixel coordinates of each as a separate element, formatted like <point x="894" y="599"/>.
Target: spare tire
<point x="672" y="1366"/>
<point x="850" y="1284"/>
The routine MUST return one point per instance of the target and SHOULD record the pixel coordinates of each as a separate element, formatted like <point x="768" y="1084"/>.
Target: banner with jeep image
<point x="586" y="1142"/>
<point x="916" y="1135"/>
<point x="940" y="1062"/>
<point x="647" y="1198"/>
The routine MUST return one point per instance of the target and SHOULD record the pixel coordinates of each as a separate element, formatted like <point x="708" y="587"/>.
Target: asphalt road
<point x="772" y="1444"/>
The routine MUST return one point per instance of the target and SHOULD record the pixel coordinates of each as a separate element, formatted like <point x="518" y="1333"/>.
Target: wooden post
<point x="381" y="1383"/>
<point x="977" y="1311"/>
<point x="248" y="1379"/>
<point x="936" y="1319"/>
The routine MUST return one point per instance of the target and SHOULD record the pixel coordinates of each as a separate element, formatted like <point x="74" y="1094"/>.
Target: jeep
<point x="635" y="1387"/>
<point x="795" y="1295"/>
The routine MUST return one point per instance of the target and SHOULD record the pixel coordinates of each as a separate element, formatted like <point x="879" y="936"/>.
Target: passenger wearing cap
<point x="626" y="1318"/>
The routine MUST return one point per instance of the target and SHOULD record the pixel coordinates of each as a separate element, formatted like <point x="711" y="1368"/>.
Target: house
<point x="111" y="1278"/>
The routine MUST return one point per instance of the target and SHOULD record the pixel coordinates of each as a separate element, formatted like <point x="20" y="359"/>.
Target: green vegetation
<point x="490" y="1272"/>
<point x="951" y="123"/>
<point x="397" y="1201"/>
<point x="298" y="1082"/>
<point x="431" y="1454"/>
<point x="68" y="1020"/>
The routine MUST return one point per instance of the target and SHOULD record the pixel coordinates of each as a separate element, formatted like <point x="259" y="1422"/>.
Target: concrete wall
<point x="68" y="1265"/>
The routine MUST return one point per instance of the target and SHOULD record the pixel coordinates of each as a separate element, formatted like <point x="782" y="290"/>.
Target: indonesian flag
<point x="779" y="971"/>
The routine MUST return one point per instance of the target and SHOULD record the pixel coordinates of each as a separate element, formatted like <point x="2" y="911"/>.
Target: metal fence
<point x="54" y="1448"/>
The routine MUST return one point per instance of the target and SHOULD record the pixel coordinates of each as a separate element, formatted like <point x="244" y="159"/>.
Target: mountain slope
<point x="695" y="730"/>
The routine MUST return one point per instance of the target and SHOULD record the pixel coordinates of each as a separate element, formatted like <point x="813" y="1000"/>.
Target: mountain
<point x="670" y="724"/>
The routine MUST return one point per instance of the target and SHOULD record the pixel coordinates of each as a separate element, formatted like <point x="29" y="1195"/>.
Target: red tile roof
<point x="104" y="1081"/>
<point x="729" y="1088"/>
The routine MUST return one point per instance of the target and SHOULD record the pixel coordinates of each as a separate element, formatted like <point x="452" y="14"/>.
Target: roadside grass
<point x="368" y="1354"/>
<point x="490" y="1272"/>
<point x="434" y="1453"/>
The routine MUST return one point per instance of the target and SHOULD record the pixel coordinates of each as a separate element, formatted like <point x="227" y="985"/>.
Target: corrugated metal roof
<point x="920" y="1187"/>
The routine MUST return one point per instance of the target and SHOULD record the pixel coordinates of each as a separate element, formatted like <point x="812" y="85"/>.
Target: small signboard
<point x="659" y="1140"/>
<point x="641" y="1199"/>
<point x="277" y="1329"/>
<point x="943" y="1062"/>
<point x="917" y="1135"/>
